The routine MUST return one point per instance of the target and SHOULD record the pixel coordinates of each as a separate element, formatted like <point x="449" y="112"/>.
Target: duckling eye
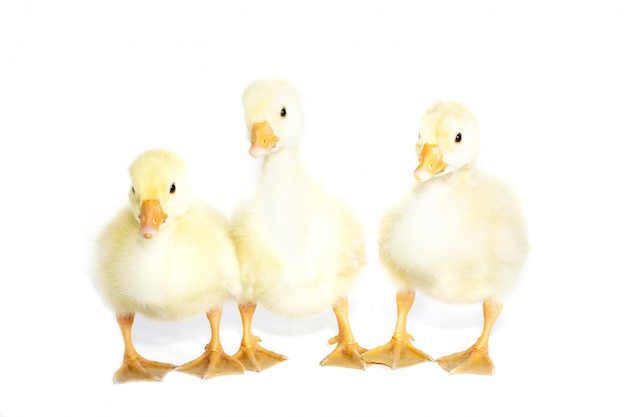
<point x="458" y="137"/>
<point x="283" y="112"/>
<point x="133" y="190"/>
<point x="173" y="188"/>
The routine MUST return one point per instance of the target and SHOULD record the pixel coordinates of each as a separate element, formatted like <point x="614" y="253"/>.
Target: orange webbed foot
<point x="256" y="358"/>
<point x="212" y="363"/>
<point x="345" y="355"/>
<point x="397" y="353"/>
<point x="470" y="361"/>
<point x="141" y="369"/>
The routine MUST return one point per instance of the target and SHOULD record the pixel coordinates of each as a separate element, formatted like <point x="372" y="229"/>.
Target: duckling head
<point x="160" y="189"/>
<point x="448" y="140"/>
<point x="273" y="116"/>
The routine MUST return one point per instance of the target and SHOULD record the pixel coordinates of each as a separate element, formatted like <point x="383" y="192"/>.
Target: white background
<point x="86" y="86"/>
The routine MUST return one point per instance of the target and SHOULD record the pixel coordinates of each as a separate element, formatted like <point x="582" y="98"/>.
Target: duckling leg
<point x="399" y="352"/>
<point x="213" y="362"/>
<point x="134" y="367"/>
<point x="475" y="360"/>
<point x="348" y="353"/>
<point x="250" y="354"/>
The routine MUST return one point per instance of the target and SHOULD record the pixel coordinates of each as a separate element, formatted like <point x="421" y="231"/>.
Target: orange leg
<point x="134" y="367"/>
<point x="475" y="360"/>
<point x="213" y="362"/>
<point x="250" y="354"/>
<point x="348" y="353"/>
<point x="399" y="352"/>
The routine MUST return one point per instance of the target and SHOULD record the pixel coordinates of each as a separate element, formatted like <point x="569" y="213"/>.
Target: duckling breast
<point x="300" y="249"/>
<point x="188" y="268"/>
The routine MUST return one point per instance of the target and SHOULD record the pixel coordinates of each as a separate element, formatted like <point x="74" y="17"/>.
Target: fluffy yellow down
<point x="188" y="268"/>
<point x="459" y="237"/>
<point x="300" y="248"/>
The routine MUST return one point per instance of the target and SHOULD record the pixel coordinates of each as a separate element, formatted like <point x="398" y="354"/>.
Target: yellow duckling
<point x="300" y="249"/>
<point x="458" y="235"/>
<point x="167" y="256"/>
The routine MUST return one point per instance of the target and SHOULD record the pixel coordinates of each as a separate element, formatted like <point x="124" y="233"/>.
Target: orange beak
<point x="152" y="217"/>
<point x="263" y="139"/>
<point x="431" y="163"/>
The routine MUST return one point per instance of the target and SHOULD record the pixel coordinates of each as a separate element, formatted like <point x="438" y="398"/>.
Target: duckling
<point x="300" y="249"/>
<point x="167" y="256"/>
<point x="458" y="236"/>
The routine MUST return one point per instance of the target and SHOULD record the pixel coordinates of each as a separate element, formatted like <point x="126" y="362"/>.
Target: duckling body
<point x="167" y="256"/>
<point x="458" y="235"/>
<point x="458" y="238"/>
<point x="300" y="248"/>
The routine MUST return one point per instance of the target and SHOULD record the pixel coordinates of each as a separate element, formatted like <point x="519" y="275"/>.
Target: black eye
<point x="133" y="189"/>
<point x="458" y="137"/>
<point x="173" y="188"/>
<point x="283" y="112"/>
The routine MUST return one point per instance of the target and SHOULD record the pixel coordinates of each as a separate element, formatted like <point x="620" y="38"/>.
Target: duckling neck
<point x="284" y="198"/>
<point x="282" y="165"/>
<point x="282" y="182"/>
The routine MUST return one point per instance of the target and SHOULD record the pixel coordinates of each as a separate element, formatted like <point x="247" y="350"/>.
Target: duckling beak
<point x="152" y="217"/>
<point x="430" y="164"/>
<point x="263" y="139"/>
